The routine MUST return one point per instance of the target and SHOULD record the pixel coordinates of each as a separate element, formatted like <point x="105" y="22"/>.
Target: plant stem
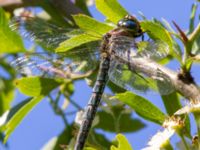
<point x="72" y="102"/>
<point x="57" y="110"/>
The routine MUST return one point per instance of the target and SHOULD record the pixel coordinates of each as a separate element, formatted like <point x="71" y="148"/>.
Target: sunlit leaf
<point x="75" y="42"/>
<point x="91" y="25"/>
<point x="10" y="42"/>
<point x="123" y="143"/>
<point x="111" y="9"/>
<point x="142" y="107"/>
<point x="157" y="31"/>
<point x="19" y="116"/>
<point x="89" y="148"/>
<point x="9" y="114"/>
<point x="35" y="86"/>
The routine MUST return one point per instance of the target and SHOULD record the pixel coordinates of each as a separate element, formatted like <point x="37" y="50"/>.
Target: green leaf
<point x="9" y="114"/>
<point x="115" y="88"/>
<point x="1" y="137"/>
<point x="192" y="18"/>
<point x="142" y="107"/>
<point x="75" y="42"/>
<point x="89" y="148"/>
<point x="83" y="5"/>
<point x="19" y="116"/>
<point x="167" y="25"/>
<point x="123" y="143"/>
<point x="157" y="31"/>
<point x="61" y="140"/>
<point x="91" y="25"/>
<point x="171" y="102"/>
<point x="97" y="140"/>
<point x="35" y="86"/>
<point x="112" y="119"/>
<point x="8" y="68"/>
<point x="6" y="94"/>
<point x="111" y="9"/>
<point x="10" y="42"/>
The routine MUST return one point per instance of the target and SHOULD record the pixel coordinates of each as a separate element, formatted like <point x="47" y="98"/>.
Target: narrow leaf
<point x="91" y="25"/>
<point x="19" y="116"/>
<point x="9" y="114"/>
<point x="10" y="42"/>
<point x="123" y="143"/>
<point x="75" y="42"/>
<point x="35" y="86"/>
<point x="142" y="107"/>
<point x="171" y="102"/>
<point x="192" y="18"/>
<point x="111" y="9"/>
<point x="83" y="4"/>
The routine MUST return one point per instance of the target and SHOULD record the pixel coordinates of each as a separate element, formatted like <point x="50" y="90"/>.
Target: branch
<point x="65" y="7"/>
<point x="5" y="3"/>
<point x="151" y="68"/>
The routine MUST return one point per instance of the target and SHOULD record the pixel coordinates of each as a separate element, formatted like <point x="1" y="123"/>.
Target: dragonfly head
<point x="130" y="24"/>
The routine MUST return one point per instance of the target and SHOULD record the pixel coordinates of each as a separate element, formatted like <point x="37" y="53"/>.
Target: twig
<point x="58" y="110"/>
<point x="72" y="102"/>
<point x="65" y="7"/>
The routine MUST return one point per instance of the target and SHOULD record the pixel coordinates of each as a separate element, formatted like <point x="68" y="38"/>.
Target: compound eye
<point x="130" y="24"/>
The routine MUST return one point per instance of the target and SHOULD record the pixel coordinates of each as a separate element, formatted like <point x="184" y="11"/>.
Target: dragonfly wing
<point x="39" y="30"/>
<point x="137" y="82"/>
<point x="127" y="47"/>
<point x="53" y="65"/>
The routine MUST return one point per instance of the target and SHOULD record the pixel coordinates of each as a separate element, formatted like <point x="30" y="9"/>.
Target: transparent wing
<point x="41" y="31"/>
<point x="127" y="47"/>
<point x="133" y="80"/>
<point x="137" y="82"/>
<point x="52" y="65"/>
<point x="76" y="61"/>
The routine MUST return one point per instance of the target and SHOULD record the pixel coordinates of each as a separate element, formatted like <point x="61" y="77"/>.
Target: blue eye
<point x="130" y="24"/>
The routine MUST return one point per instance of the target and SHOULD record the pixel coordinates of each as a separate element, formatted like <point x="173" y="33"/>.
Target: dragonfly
<point x="116" y="44"/>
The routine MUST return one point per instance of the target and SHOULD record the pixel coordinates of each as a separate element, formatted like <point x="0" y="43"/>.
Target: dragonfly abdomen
<point x="93" y="103"/>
